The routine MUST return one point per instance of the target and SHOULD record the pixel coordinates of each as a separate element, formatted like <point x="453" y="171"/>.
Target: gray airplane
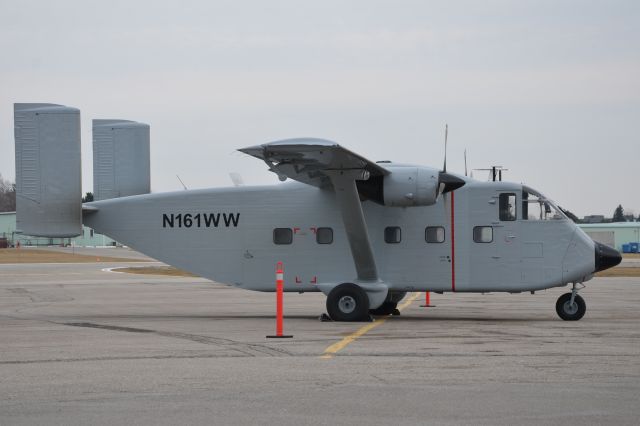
<point x="363" y="233"/>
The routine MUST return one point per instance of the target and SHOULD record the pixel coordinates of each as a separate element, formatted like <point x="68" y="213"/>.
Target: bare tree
<point x="7" y="195"/>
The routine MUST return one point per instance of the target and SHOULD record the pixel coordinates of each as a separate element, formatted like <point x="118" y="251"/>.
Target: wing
<point x="310" y="160"/>
<point x="323" y="163"/>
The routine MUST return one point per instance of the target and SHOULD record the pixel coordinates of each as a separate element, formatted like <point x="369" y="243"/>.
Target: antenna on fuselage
<point x="183" y="185"/>
<point x="495" y="173"/>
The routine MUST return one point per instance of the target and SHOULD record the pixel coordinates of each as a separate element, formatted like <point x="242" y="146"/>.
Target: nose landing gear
<point x="570" y="306"/>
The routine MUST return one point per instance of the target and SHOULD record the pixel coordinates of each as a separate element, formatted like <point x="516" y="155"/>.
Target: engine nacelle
<point x="411" y="186"/>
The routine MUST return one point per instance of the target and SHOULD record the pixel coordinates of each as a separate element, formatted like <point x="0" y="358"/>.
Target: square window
<point x="483" y="234"/>
<point x="324" y="235"/>
<point x="392" y="234"/>
<point x="507" y="203"/>
<point x="282" y="236"/>
<point x="434" y="234"/>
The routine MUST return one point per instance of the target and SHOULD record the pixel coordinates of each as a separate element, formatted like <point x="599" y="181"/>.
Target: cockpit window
<point x="507" y="205"/>
<point x="536" y="206"/>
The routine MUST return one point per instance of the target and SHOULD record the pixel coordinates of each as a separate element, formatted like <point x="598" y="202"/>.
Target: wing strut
<point x="344" y="183"/>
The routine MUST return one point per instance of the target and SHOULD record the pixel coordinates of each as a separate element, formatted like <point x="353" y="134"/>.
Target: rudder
<point x="48" y="170"/>
<point x="121" y="164"/>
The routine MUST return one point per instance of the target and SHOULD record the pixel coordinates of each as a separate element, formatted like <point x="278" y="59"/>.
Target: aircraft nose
<point x="606" y="257"/>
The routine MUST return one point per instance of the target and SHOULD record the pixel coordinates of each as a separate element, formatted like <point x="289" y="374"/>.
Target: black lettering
<point x="208" y="219"/>
<point x="198" y="220"/>
<point x="232" y="217"/>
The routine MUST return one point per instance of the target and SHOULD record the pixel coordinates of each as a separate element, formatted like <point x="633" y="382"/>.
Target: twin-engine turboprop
<point x="361" y="232"/>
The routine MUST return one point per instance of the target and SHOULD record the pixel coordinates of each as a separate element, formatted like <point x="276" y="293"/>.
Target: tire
<point x="348" y="302"/>
<point x="570" y="313"/>
<point x="396" y="296"/>
<point x="387" y="308"/>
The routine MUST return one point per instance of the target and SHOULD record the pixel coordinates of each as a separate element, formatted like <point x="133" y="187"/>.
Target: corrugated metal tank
<point x="48" y="170"/>
<point x="121" y="164"/>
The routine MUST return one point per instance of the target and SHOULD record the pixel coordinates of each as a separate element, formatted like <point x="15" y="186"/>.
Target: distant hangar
<point x="615" y="235"/>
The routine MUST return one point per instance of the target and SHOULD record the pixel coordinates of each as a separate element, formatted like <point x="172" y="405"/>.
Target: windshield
<point x="536" y="206"/>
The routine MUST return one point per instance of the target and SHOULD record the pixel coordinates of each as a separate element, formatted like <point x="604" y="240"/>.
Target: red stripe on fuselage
<point x="453" y="245"/>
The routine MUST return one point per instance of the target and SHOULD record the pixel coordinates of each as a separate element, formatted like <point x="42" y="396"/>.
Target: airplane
<point x="363" y="233"/>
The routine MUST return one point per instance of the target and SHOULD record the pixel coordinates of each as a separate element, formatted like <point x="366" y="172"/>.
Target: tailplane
<point x="48" y="169"/>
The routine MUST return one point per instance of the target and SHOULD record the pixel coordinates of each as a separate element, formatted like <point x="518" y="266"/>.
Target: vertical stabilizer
<point x="120" y="159"/>
<point x="48" y="170"/>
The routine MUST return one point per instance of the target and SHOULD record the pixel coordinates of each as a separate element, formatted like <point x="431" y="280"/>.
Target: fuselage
<point x="481" y="237"/>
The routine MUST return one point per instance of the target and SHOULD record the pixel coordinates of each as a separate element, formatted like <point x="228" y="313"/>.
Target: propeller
<point x="448" y="182"/>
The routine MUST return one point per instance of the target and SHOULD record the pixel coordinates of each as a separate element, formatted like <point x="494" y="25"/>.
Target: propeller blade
<point x="236" y="178"/>
<point x="446" y="133"/>
<point x="465" y="162"/>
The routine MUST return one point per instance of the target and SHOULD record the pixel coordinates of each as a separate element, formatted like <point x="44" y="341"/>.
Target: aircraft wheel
<point x="569" y="312"/>
<point x="396" y="296"/>
<point x="348" y="302"/>
<point x="387" y="308"/>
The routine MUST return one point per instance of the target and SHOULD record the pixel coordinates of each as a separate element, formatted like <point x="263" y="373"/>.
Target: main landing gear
<point x="387" y="308"/>
<point x="348" y="302"/>
<point x="390" y="305"/>
<point x="570" y="306"/>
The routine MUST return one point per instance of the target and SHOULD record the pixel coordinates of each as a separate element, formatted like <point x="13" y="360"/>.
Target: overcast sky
<point x="548" y="89"/>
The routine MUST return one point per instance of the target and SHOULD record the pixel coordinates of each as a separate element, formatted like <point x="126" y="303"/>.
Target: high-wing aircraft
<point x="363" y="233"/>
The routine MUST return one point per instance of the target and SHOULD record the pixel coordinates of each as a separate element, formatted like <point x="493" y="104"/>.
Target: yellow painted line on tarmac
<point x="331" y="351"/>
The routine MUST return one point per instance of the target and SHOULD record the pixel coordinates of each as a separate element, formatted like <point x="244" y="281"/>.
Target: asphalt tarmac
<point x="80" y="346"/>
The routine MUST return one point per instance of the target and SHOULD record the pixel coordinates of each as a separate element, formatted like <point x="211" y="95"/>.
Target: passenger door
<point x="507" y="238"/>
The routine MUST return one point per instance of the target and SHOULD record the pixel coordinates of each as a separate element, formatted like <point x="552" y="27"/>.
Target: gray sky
<point x="549" y="89"/>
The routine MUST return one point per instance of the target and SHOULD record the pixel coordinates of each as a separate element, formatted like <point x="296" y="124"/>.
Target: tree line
<point x="7" y="195"/>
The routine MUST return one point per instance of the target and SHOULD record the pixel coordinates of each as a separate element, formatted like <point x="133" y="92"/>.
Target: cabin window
<point x="507" y="203"/>
<point x="482" y="234"/>
<point x="282" y="236"/>
<point x="392" y="235"/>
<point x="434" y="234"/>
<point x="324" y="235"/>
<point x="91" y="233"/>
